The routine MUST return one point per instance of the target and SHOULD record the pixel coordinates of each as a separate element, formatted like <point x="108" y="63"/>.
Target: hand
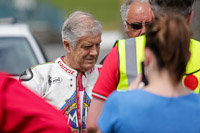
<point x="137" y="83"/>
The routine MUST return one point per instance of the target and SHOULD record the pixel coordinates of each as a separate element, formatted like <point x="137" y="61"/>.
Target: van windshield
<point x="16" y="55"/>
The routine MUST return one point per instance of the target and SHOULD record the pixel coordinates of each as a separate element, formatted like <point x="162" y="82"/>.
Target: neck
<point x="160" y="83"/>
<point x="67" y="62"/>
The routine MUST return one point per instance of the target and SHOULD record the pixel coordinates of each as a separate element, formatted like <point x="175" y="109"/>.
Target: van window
<point x="16" y="55"/>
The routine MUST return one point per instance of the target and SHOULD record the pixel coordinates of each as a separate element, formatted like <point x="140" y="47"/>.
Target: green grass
<point x="106" y="11"/>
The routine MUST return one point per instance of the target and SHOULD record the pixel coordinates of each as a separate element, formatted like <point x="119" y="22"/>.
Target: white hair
<point x="125" y="7"/>
<point x="80" y="24"/>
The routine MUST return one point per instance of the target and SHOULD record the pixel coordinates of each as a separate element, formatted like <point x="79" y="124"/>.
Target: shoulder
<point x="35" y="70"/>
<point x="119" y="95"/>
<point x="195" y="97"/>
<point x="127" y="92"/>
<point x="194" y="42"/>
<point x="119" y="99"/>
<point x="44" y="65"/>
<point x="112" y="56"/>
<point x="194" y="46"/>
<point x="126" y="96"/>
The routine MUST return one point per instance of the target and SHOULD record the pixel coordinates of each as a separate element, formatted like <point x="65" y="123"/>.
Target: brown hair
<point x="168" y="36"/>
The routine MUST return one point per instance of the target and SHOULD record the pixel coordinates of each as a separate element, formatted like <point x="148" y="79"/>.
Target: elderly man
<point x="135" y="15"/>
<point x="67" y="82"/>
<point x="126" y="60"/>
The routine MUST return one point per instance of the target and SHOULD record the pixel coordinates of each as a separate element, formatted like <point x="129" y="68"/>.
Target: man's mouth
<point x="91" y="60"/>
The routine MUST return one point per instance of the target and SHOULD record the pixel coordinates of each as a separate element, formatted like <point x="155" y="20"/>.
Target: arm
<point x="105" y="85"/>
<point x="109" y="76"/>
<point x="137" y="83"/>
<point x="93" y="114"/>
<point x="108" y="121"/>
<point x="31" y="79"/>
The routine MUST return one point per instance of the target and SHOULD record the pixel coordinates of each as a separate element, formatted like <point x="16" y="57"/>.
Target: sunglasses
<point x="137" y="25"/>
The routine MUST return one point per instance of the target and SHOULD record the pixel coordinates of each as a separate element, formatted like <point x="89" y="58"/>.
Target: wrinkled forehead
<point x="90" y="39"/>
<point x="139" y="12"/>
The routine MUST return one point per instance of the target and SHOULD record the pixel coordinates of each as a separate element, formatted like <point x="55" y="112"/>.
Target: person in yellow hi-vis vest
<point x="135" y="14"/>
<point x="191" y="79"/>
<point x="164" y="105"/>
<point x="123" y="63"/>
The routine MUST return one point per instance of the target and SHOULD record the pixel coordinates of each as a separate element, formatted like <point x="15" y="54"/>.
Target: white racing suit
<point x="57" y="84"/>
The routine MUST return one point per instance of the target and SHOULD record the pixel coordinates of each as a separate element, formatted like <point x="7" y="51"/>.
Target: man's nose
<point x="94" y="50"/>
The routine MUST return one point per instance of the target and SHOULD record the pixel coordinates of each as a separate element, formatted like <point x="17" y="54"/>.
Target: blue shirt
<point x="139" y="111"/>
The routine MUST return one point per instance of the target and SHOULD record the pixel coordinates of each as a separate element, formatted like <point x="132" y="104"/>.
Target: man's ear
<point x="189" y="19"/>
<point x="67" y="46"/>
<point x="125" y="27"/>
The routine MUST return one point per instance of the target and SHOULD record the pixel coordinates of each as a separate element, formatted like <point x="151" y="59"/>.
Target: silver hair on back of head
<point x="80" y="24"/>
<point x="125" y="7"/>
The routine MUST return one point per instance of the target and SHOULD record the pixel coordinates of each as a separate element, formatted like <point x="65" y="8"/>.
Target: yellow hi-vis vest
<point x="131" y="54"/>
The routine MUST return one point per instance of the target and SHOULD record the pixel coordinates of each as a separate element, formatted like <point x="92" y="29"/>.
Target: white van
<point x="18" y="49"/>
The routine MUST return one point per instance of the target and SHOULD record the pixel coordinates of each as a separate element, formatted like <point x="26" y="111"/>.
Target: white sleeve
<point x="32" y="79"/>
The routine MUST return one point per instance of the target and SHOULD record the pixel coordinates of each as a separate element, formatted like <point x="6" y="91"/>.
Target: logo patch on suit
<point x="70" y="109"/>
<point x="54" y="80"/>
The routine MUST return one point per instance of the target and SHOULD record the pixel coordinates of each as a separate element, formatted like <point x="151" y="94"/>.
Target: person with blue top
<point x="164" y="105"/>
<point x="123" y="63"/>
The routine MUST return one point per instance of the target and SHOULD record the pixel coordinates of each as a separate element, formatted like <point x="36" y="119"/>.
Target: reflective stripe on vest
<point x="127" y="63"/>
<point x="131" y="54"/>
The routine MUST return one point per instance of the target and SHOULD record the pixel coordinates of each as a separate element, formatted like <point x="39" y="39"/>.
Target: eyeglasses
<point x="137" y="25"/>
